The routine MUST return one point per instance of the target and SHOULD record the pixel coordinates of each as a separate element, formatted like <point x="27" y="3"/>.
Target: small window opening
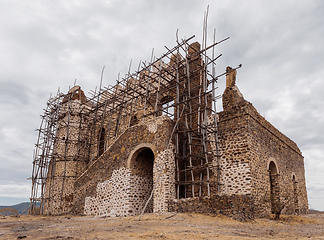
<point x="168" y="109"/>
<point x="101" y="148"/>
<point x="133" y="120"/>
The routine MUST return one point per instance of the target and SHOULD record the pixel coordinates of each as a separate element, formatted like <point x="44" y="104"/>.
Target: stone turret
<point x="67" y="160"/>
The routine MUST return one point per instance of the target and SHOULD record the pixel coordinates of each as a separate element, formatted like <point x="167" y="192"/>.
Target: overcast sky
<point x="48" y="44"/>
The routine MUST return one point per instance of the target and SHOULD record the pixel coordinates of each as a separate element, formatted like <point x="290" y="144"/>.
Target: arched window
<point x="101" y="146"/>
<point x="273" y="168"/>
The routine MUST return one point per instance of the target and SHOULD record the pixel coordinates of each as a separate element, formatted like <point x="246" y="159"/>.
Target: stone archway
<point x="141" y="165"/>
<point x="274" y="186"/>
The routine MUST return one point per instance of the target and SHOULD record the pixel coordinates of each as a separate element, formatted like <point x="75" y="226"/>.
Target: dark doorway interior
<point x="274" y="186"/>
<point x="143" y="169"/>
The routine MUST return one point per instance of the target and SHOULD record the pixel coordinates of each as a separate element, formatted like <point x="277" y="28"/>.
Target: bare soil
<point x="161" y="226"/>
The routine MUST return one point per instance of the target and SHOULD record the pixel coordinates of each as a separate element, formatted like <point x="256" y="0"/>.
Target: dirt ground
<point x="165" y="226"/>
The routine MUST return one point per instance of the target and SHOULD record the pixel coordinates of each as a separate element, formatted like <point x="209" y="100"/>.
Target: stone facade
<point x="240" y="206"/>
<point x="135" y="165"/>
<point x="257" y="159"/>
<point x="121" y="180"/>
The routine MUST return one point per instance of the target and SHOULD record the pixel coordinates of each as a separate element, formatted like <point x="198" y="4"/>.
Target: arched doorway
<point x="274" y="186"/>
<point x="142" y="179"/>
<point x="295" y="194"/>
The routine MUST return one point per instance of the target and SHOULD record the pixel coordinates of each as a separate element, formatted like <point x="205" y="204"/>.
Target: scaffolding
<point x="181" y="84"/>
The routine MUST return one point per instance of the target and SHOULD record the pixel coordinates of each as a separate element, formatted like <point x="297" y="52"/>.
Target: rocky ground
<point x="166" y="226"/>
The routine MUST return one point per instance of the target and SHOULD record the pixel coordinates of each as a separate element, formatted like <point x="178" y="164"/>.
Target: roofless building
<point x="154" y="142"/>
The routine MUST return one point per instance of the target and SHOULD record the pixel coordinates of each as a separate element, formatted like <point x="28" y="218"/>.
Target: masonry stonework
<point x="250" y="143"/>
<point x="162" y="145"/>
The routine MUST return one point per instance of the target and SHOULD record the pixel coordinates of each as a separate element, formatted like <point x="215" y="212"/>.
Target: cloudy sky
<point x="48" y="44"/>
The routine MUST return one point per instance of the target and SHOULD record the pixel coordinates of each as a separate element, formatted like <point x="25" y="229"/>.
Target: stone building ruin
<point x="154" y="142"/>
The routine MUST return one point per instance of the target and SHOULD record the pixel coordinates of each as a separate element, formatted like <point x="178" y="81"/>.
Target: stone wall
<point x="123" y="194"/>
<point x="269" y="145"/>
<point x="249" y="143"/>
<point x="128" y="190"/>
<point x="164" y="176"/>
<point x="239" y="207"/>
<point x="235" y="171"/>
<point x="120" y="167"/>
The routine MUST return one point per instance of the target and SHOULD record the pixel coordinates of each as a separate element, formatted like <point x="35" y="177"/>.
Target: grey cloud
<point x="13" y="93"/>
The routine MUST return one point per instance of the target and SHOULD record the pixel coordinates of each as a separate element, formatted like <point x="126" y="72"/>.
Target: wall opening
<point x="295" y="194"/>
<point x="167" y="106"/>
<point x="274" y="186"/>
<point x="142" y="170"/>
<point x="133" y="120"/>
<point x="101" y="147"/>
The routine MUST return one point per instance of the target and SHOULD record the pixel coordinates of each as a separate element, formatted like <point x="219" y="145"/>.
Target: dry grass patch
<point x="162" y="226"/>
